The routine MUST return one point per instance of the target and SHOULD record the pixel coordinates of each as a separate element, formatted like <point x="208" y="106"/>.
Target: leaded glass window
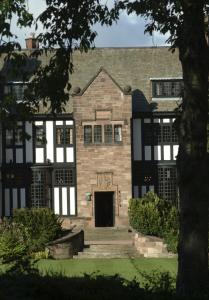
<point x="167" y="183"/>
<point x="40" y="136"/>
<point x="117" y="133"/>
<point x="64" y="136"/>
<point x="97" y="134"/>
<point x="9" y="137"/>
<point x="64" y="177"/>
<point x="88" y="134"/>
<point x="108" y="134"/>
<point x="167" y="88"/>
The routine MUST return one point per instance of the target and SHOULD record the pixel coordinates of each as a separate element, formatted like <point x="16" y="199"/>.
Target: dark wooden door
<point x="104" y="212"/>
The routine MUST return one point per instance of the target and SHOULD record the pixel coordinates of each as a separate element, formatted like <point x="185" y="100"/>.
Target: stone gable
<point x="103" y="167"/>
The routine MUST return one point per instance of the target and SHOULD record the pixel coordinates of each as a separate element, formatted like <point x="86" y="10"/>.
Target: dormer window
<point x="16" y="89"/>
<point x="168" y="88"/>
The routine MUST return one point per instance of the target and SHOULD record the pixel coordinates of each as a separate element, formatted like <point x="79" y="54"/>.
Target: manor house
<point x="115" y="140"/>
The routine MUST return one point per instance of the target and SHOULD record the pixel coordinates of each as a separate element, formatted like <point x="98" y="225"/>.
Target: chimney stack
<point x="32" y="42"/>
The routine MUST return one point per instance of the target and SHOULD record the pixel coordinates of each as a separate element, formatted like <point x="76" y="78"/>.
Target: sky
<point x="128" y="32"/>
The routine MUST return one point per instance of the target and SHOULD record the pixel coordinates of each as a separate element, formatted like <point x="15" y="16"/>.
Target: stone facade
<point x="103" y="167"/>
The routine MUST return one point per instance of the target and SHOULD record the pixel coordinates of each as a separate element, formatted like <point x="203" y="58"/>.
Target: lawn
<point x="126" y="268"/>
<point x="66" y="280"/>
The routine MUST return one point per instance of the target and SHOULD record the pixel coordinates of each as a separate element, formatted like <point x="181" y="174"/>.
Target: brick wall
<point x="97" y="162"/>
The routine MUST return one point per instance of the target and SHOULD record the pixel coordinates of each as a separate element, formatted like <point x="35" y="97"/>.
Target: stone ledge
<point x="66" y="246"/>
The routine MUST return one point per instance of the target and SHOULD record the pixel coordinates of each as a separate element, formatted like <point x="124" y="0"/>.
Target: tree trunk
<point x="192" y="162"/>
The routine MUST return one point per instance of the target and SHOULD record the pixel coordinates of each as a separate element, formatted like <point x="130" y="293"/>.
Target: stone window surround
<point x="103" y="123"/>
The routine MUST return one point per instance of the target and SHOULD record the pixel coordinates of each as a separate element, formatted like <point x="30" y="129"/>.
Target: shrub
<point x="151" y="215"/>
<point x="14" y="248"/>
<point x="13" y="241"/>
<point x="42" y="226"/>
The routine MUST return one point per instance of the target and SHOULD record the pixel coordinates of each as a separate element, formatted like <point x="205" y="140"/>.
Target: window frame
<point x="11" y="85"/>
<point x="63" y="140"/>
<point x="164" y="96"/>
<point x="103" y="133"/>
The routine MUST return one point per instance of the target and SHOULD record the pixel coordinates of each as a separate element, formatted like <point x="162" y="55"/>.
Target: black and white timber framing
<point x="40" y="171"/>
<point x="154" y="151"/>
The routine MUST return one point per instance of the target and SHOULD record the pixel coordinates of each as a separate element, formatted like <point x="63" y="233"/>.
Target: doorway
<point x="104" y="211"/>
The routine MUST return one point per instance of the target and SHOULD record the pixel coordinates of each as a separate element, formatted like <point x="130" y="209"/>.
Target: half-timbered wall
<point x="155" y="147"/>
<point x="38" y="168"/>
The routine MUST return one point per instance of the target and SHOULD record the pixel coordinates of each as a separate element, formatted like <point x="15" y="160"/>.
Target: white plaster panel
<point x="175" y="151"/>
<point x="59" y="122"/>
<point x="72" y="200"/>
<point x="136" y="191"/>
<point x="22" y="198"/>
<point x="157" y="152"/>
<point x="167" y="152"/>
<point x="64" y="201"/>
<point x="39" y="155"/>
<point x="7" y="202"/>
<point x="70" y="154"/>
<point x="166" y="120"/>
<point x="39" y="123"/>
<point x="156" y="120"/>
<point x="69" y="122"/>
<point x="50" y="141"/>
<point x="14" y="199"/>
<point x="9" y="155"/>
<point x="19" y="156"/>
<point x="143" y="190"/>
<point x="29" y="143"/>
<point x="60" y="155"/>
<point x="137" y="139"/>
<point x="147" y="152"/>
<point x="56" y="201"/>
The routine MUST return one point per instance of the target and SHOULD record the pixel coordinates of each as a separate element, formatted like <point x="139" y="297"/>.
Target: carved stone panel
<point x="104" y="180"/>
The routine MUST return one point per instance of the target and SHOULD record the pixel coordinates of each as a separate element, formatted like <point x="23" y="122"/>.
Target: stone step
<point x="108" y="234"/>
<point x="110" y="242"/>
<point x="149" y="250"/>
<point x="114" y="254"/>
<point x="150" y="244"/>
<point x="159" y="255"/>
<point x="101" y="248"/>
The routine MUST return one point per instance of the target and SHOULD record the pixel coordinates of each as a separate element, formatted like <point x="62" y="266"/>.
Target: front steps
<point x="120" y="243"/>
<point x="108" y="249"/>
<point x="150" y="246"/>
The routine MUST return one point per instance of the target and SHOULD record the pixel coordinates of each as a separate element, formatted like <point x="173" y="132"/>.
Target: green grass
<point x="126" y="268"/>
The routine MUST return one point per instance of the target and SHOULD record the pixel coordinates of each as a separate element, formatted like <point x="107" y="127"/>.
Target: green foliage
<point x="42" y="226"/>
<point x="13" y="241"/>
<point x="151" y="215"/>
<point x="14" y="248"/>
<point x="157" y="281"/>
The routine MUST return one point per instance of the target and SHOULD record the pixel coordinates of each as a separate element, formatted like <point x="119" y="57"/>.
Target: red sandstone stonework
<point x="103" y="167"/>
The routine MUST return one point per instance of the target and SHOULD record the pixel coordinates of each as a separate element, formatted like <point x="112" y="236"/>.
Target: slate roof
<point x="127" y="66"/>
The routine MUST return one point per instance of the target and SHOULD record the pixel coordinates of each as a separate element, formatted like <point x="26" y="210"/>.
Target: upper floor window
<point x="40" y="136"/>
<point x="167" y="88"/>
<point x="14" y="137"/>
<point x="117" y="133"/>
<point x="64" y="136"/>
<point x="108" y="134"/>
<point x="99" y="134"/>
<point x="87" y="134"/>
<point x="16" y="89"/>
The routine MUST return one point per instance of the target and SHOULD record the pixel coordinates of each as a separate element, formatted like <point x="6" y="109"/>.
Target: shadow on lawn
<point x="89" y="287"/>
<point x="34" y="286"/>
